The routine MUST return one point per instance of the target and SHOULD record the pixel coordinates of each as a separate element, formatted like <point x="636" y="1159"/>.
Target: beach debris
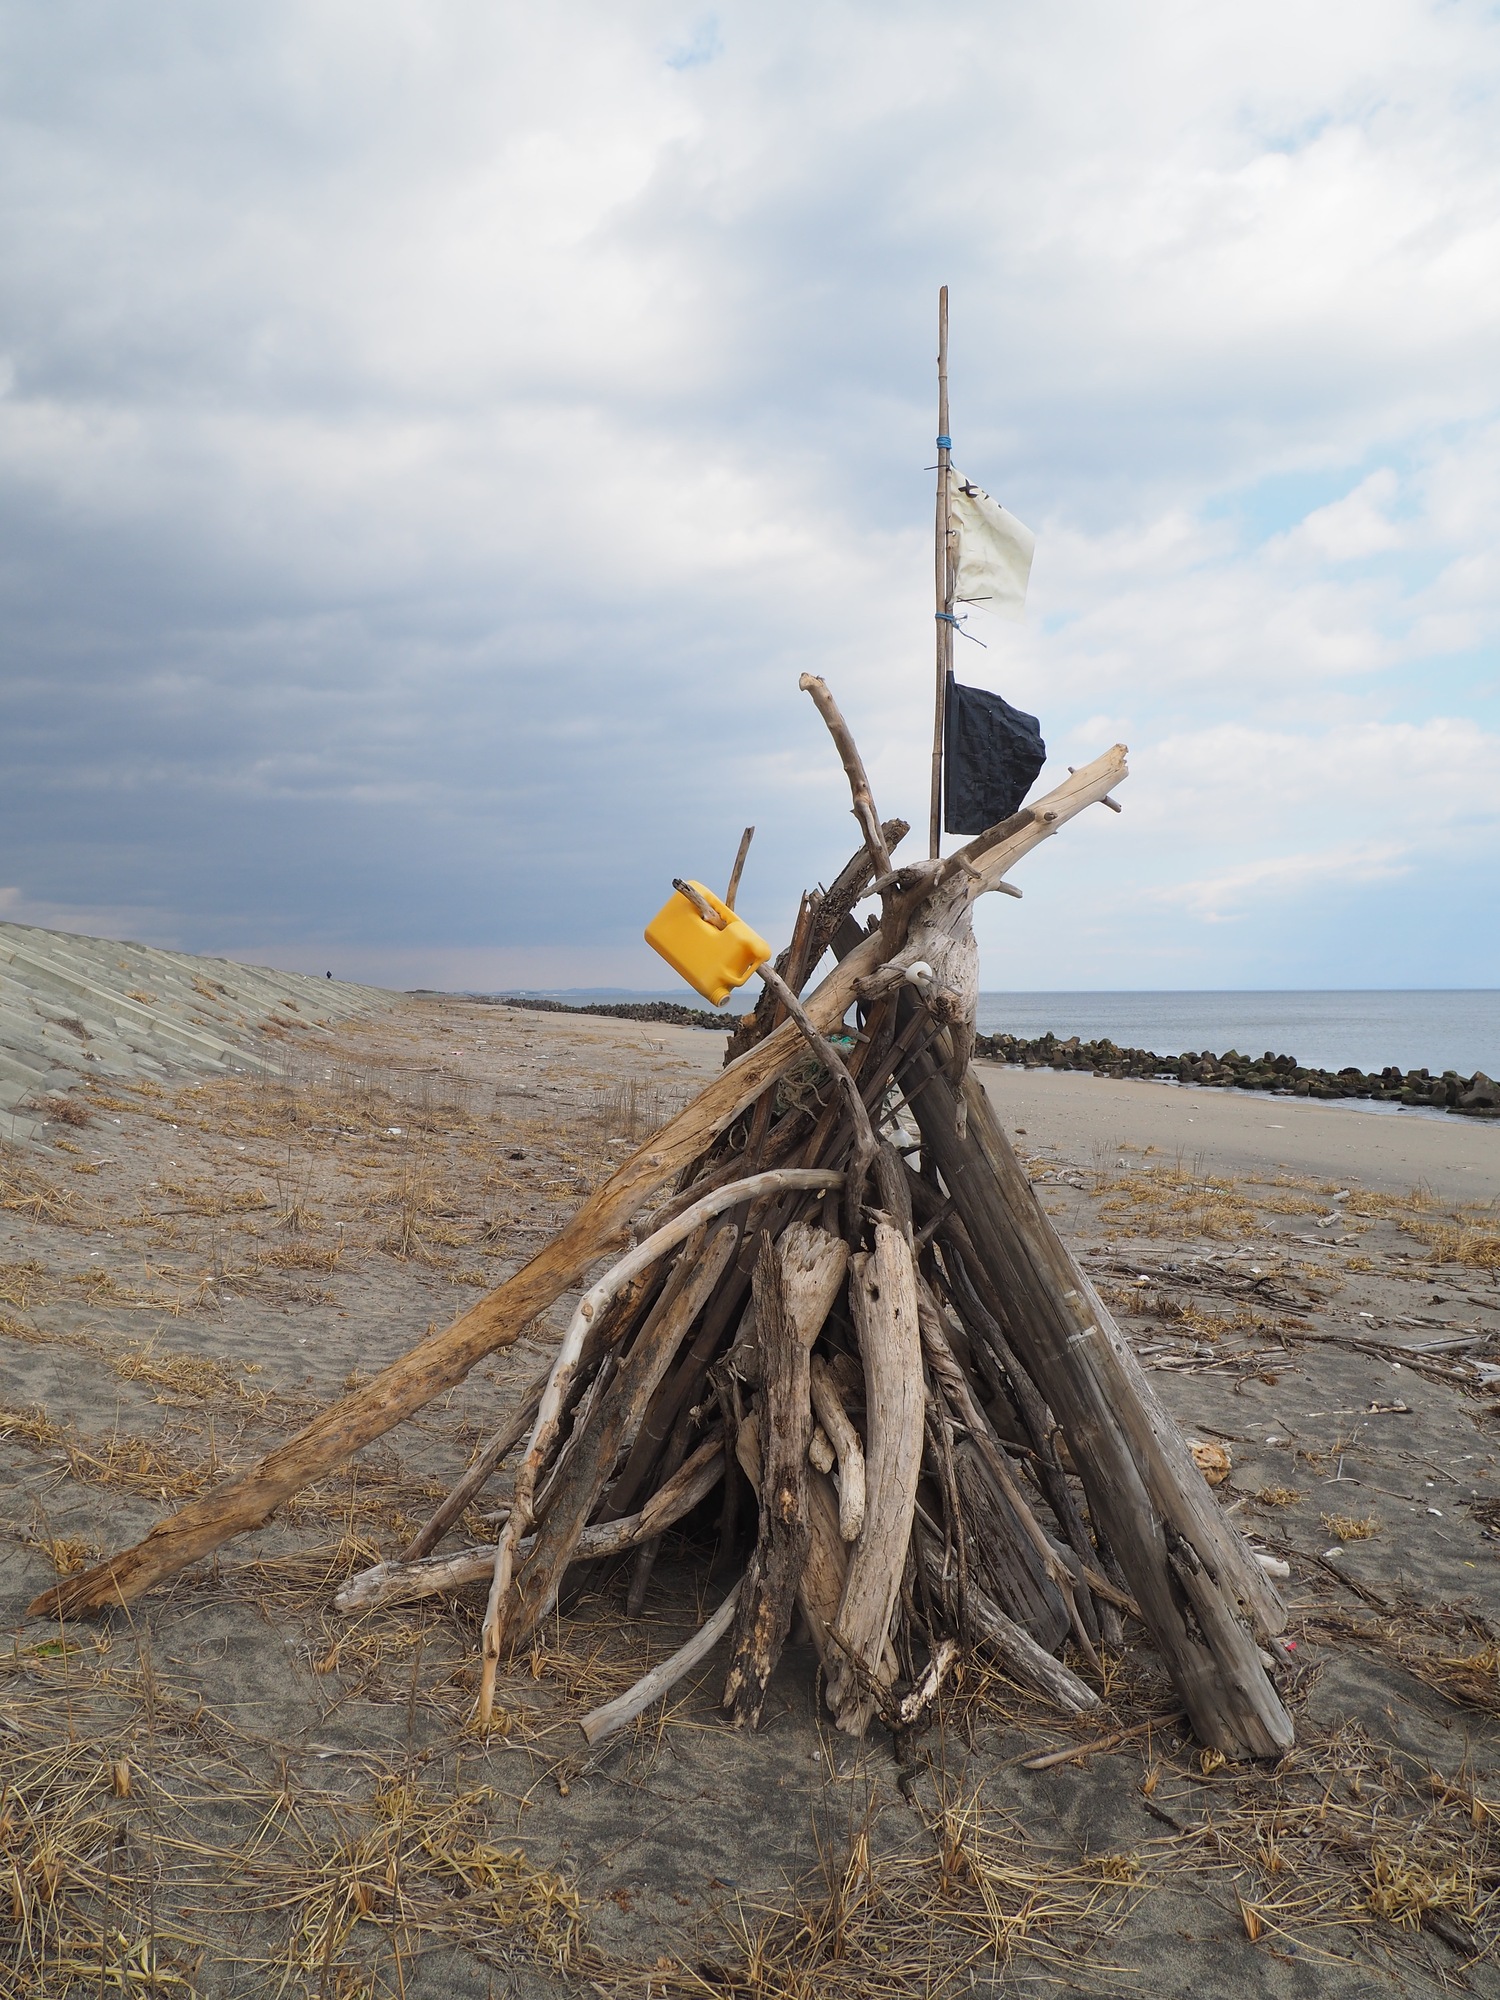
<point x="1212" y="1460"/>
<point x="824" y="1306"/>
<point x="1278" y="1075"/>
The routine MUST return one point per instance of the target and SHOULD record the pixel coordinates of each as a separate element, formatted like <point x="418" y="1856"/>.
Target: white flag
<point x="994" y="549"/>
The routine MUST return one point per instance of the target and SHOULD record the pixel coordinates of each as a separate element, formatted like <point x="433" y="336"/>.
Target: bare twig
<point x="854" y="768"/>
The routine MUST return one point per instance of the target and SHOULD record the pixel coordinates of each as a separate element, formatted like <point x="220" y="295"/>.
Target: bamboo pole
<point x="943" y="585"/>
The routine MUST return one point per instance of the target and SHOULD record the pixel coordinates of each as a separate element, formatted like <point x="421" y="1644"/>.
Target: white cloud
<point x="1224" y="897"/>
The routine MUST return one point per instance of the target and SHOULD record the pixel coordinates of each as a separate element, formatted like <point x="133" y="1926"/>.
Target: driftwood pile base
<point x="852" y="1331"/>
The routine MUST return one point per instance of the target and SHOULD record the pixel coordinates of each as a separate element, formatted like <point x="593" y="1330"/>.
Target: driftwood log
<point x="846" y="1340"/>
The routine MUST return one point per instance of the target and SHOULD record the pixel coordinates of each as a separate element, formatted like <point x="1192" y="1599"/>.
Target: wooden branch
<point x="994" y="853"/>
<point x="955" y="1387"/>
<point x="490" y="1453"/>
<point x="699" y="902"/>
<point x="554" y="1397"/>
<point x="820" y="1589"/>
<point x="618" y="1714"/>
<point x="854" y="770"/>
<point x="851" y="885"/>
<point x="884" y="1296"/>
<point x="440" y="1362"/>
<point x="739" y="867"/>
<point x="915" y="1705"/>
<point x="1010" y="1644"/>
<point x="865" y="1142"/>
<point x="989" y="1338"/>
<point x="770" y="1585"/>
<point x="843" y="1441"/>
<point x="405" y="1582"/>
<point x="823" y="924"/>
<point x="813" y="1264"/>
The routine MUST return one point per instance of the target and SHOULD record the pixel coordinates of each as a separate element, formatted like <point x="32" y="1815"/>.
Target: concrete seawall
<point x="75" y="1007"/>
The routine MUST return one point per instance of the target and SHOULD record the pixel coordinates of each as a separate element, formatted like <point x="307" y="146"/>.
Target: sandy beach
<point x="1242" y="1132"/>
<point x="192" y="1264"/>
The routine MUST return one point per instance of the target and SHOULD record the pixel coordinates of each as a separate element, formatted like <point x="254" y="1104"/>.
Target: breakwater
<point x="665" y="1013"/>
<point x="1476" y="1096"/>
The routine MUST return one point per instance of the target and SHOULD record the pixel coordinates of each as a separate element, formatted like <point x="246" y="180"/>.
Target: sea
<point x="1435" y="1030"/>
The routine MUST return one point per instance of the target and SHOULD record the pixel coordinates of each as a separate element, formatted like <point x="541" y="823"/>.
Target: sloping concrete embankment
<point x="75" y="1007"/>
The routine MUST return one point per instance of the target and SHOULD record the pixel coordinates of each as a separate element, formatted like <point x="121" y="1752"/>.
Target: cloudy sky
<point x="436" y="434"/>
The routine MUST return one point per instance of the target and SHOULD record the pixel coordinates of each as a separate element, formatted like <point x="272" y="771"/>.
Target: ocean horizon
<point x="1436" y="1028"/>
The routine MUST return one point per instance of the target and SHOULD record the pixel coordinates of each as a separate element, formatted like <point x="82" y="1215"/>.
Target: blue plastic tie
<point x="947" y="618"/>
<point x="945" y="444"/>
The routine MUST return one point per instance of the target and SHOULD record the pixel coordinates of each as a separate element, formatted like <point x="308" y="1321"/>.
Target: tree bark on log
<point x="820" y="1589"/>
<point x="770" y="1587"/>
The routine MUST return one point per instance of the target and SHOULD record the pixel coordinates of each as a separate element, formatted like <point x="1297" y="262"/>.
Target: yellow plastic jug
<point x="712" y="961"/>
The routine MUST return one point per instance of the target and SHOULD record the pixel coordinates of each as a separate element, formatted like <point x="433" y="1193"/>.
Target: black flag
<point x="992" y="753"/>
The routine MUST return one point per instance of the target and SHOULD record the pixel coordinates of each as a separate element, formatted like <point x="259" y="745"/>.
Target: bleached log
<point x="951" y="1379"/>
<point x="820" y="1589"/>
<point x="770" y="1586"/>
<point x="813" y="1264"/>
<point x="1009" y="1644"/>
<point x="883" y="1292"/>
<point x="597" y="1437"/>
<point x="451" y="1507"/>
<point x="616" y="1715"/>
<point x="843" y="1439"/>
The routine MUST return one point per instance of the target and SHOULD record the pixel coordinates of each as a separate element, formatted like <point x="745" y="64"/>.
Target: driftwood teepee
<point x="852" y="1324"/>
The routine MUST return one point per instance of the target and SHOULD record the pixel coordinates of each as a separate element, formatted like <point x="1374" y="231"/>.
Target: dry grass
<point x="420" y="1213"/>
<point x="1470" y="1238"/>
<point x="27" y="1192"/>
<point x="1341" y="1835"/>
<point x="22" y="1283"/>
<point x="135" y="1847"/>
<point x="138" y="1465"/>
<point x="632" y="1110"/>
<point x="69" y="1111"/>
<point x="1350" y="1527"/>
<point x="1171" y="1200"/>
<point x="977" y="1894"/>
<point x="68" y="1554"/>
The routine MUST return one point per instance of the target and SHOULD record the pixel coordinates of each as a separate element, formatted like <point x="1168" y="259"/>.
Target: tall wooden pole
<point x="943" y="583"/>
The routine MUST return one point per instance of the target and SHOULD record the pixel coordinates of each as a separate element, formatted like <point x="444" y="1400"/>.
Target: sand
<point x="185" y="1277"/>
<point x="1242" y="1132"/>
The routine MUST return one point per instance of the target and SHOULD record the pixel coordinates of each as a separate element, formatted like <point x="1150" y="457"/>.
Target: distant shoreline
<point x="1473" y="1096"/>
